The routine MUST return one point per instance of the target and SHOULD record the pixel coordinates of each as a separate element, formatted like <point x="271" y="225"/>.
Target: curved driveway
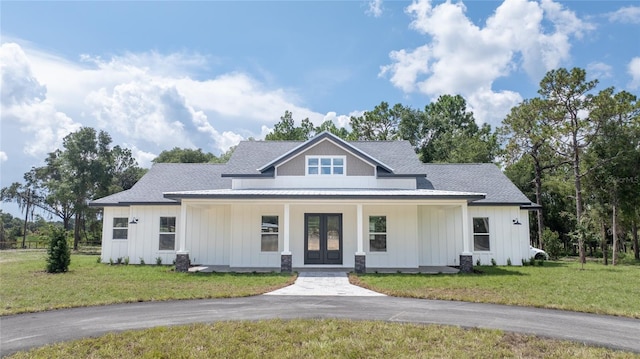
<point x="20" y="332"/>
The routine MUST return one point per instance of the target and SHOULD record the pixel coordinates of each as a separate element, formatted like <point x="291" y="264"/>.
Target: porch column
<point x="360" y="260"/>
<point x="182" y="255"/>
<point x="466" y="257"/>
<point x="285" y="256"/>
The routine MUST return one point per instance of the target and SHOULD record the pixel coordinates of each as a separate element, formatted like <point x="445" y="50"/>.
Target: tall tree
<point x="379" y="124"/>
<point x="286" y="130"/>
<point x="446" y="132"/>
<point x="614" y="158"/>
<point x="526" y="132"/>
<point x="184" y="155"/>
<point x="26" y="197"/>
<point x="568" y="93"/>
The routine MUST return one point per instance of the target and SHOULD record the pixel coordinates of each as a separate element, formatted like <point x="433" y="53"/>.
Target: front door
<point x="322" y="238"/>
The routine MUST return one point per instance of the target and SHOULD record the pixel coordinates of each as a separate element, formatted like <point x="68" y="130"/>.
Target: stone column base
<point x="182" y="262"/>
<point x="361" y="263"/>
<point x="466" y="263"/>
<point x="285" y="263"/>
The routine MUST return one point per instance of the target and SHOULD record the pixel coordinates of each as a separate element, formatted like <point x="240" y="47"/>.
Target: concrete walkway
<point x="324" y="284"/>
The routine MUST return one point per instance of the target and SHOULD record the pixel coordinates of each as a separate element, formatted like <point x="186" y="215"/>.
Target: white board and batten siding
<point x="508" y="241"/>
<point x="440" y="233"/>
<point x="402" y="236"/>
<point x="143" y="240"/>
<point x="114" y="248"/>
<point x="246" y="231"/>
<point x="209" y="234"/>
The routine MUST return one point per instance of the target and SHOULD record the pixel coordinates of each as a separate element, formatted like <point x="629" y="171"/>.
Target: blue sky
<point x="207" y="74"/>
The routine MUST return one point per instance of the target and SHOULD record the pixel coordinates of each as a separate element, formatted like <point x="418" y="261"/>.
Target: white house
<point x="283" y="205"/>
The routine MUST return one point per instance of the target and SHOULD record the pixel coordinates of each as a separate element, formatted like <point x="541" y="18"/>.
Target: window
<point x="269" y="240"/>
<point x="167" y="233"/>
<point x="120" y="228"/>
<point x="377" y="233"/>
<point x="325" y="165"/>
<point x="481" y="240"/>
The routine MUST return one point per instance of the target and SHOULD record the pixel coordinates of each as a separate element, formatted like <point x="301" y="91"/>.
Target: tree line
<point x="572" y="149"/>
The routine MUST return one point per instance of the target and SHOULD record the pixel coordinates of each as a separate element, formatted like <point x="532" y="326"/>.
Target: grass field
<point x="319" y="339"/>
<point x="26" y="287"/>
<point x="558" y="284"/>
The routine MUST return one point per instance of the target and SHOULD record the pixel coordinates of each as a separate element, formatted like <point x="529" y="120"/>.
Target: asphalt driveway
<point x="20" y="332"/>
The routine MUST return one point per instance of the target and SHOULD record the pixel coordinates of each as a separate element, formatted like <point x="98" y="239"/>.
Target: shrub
<point x="142" y="261"/>
<point x="540" y="262"/>
<point x="493" y="262"/>
<point x="58" y="253"/>
<point x="98" y="260"/>
<point x="110" y="261"/>
<point x="532" y="261"/>
<point x="552" y="243"/>
<point x="478" y="262"/>
<point x="119" y="260"/>
<point x="508" y="261"/>
<point x="126" y="260"/>
<point x="159" y="261"/>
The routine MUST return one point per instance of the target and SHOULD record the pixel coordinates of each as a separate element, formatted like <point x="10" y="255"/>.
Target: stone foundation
<point x="466" y="263"/>
<point x="182" y="262"/>
<point x="285" y="263"/>
<point x="361" y="263"/>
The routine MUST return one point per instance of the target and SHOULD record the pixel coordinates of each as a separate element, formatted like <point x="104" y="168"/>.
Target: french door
<point x="322" y="238"/>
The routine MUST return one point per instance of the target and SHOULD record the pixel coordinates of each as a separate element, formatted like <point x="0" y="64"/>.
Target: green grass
<point x="558" y="284"/>
<point x="318" y="339"/>
<point x="26" y="287"/>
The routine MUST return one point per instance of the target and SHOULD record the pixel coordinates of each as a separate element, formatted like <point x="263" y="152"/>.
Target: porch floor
<point x="419" y="270"/>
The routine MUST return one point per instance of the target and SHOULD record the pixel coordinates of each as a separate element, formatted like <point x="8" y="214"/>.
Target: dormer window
<point x="325" y="165"/>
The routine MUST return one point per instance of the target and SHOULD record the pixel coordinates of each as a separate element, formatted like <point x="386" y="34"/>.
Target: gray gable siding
<point x="296" y="165"/>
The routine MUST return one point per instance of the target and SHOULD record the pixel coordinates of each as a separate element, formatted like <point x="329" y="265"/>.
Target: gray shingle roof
<point x="167" y="177"/>
<point x="475" y="177"/>
<point x="250" y="155"/>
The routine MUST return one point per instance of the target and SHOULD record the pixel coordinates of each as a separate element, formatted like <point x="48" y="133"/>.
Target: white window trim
<point x="114" y="227"/>
<point x="386" y="234"/>
<point x="306" y="165"/>
<point x="488" y="233"/>
<point x="271" y="233"/>
<point x="175" y="237"/>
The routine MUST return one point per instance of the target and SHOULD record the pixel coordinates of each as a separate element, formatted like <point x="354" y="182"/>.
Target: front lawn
<point x="26" y="287"/>
<point x="558" y="284"/>
<point x="319" y="339"/>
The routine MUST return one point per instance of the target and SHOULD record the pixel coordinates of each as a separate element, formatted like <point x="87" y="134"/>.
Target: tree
<point x="614" y="159"/>
<point x="567" y="93"/>
<point x="58" y="254"/>
<point x="184" y="155"/>
<point x="379" y="124"/>
<point x="447" y="132"/>
<point x="285" y="130"/>
<point x="526" y="131"/>
<point x="26" y="198"/>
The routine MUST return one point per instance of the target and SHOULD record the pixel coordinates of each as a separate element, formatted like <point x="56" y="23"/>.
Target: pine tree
<point x="58" y="254"/>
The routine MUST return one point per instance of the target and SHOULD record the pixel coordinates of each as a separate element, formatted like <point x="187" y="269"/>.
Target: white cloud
<point x="25" y="101"/>
<point x="626" y="15"/>
<point x="634" y="71"/>
<point x="599" y="70"/>
<point x="461" y="57"/>
<point x="375" y="8"/>
<point x="3" y="156"/>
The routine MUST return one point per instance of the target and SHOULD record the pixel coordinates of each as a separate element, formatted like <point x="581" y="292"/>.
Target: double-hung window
<point x="377" y="233"/>
<point x="325" y="165"/>
<point x="167" y="234"/>
<point x="120" y="228"/>
<point x="269" y="236"/>
<point x="481" y="240"/>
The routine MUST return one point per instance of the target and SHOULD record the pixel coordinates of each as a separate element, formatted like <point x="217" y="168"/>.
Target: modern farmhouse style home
<point x="322" y="203"/>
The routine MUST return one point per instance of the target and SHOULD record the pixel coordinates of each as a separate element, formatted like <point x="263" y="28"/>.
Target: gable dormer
<point x="325" y="161"/>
